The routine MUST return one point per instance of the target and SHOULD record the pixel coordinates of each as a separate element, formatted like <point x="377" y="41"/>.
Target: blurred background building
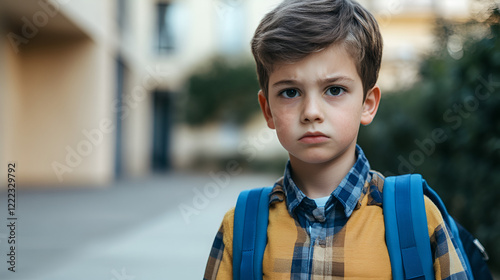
<point x="90" y="89"/>
<point x="154" y="102"/>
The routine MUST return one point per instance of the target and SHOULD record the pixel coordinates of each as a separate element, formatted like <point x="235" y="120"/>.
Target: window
<point x="122" y="14"/>
<point x="231" y="29"/>
<point x="166" y="38"/>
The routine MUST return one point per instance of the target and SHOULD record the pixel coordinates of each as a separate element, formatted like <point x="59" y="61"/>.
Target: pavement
<point x="159" y="227"/>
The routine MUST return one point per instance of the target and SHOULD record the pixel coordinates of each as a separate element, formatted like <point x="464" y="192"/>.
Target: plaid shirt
<point x="343" y="239"/>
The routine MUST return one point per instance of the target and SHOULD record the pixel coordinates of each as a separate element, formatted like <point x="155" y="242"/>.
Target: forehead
<point x="326" y="63"/>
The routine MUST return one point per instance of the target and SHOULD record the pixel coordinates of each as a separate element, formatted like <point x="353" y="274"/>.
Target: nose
<point x="311" y="111"/>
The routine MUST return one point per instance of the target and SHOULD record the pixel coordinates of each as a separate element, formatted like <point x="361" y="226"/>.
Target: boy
<point x="317" y="63"/>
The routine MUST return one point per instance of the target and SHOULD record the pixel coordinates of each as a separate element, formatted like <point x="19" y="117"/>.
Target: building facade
<point x="88" y="86"/>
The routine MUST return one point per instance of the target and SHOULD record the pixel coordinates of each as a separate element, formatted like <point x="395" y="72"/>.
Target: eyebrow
<point x="329" y="80"/>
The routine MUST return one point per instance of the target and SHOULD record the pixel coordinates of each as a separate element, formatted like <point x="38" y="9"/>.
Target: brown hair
<point x="297" y="28"/>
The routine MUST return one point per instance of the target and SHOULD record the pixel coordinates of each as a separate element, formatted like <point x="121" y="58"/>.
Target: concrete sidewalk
<point x="129" y="230"/>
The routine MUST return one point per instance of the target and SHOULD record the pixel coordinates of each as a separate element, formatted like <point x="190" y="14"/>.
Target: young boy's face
<point x="316" y="106"/>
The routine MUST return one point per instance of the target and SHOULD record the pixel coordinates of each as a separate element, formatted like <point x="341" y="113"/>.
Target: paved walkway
<point x="131" y="230"/>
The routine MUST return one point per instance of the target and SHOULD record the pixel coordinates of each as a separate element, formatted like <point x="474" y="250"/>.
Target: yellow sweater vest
<point x="358" y="251"/>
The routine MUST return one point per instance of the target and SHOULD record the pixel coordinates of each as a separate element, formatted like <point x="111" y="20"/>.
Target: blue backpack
<point x="405" y="223"/>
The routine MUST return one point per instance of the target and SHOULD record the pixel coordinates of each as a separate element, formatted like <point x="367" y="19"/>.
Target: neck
<point x="321" y="179"/>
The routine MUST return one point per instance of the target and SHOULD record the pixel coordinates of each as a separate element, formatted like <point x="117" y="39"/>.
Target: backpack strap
<point x="452" y="225"/>
<point x="251" y="217"/>
<point x="405" y="220"/>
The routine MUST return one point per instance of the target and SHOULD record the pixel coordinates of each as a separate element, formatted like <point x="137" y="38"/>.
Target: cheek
<point x="282" y="118"/>
<point x="284" y="126"/>
<point x="347" y="120"/>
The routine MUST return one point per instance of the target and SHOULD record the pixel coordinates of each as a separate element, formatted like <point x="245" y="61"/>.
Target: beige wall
<point x="137" y="123"/>
<point x="96" y="18"/>
<point x="407" y="38"/>
<point x="61" y="93"/>
<point x="56" y="89"/>
<point x="9" y="104"/>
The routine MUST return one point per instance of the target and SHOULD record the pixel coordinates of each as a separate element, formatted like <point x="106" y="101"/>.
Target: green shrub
<point x="458" y="99"/>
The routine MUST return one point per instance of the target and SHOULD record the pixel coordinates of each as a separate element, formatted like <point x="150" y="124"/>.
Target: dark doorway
<point x="120" y="81"/>
<point x="162" y="123"/>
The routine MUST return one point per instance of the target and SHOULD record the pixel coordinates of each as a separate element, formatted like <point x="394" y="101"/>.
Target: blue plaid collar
<point x="348" y="192"/>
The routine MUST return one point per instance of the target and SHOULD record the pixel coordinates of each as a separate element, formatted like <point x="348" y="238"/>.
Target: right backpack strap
<point x="251" y="217"/>
<point x="452" y="225"/>
<point x="405" y="221"/>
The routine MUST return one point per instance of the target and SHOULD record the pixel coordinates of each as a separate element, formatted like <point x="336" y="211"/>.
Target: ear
<point x="266" y="110"/>
<point x="370" y="105"/>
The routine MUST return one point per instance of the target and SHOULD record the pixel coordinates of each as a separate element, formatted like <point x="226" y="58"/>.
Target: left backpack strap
<point x="251" y="217"/>
<point x="407" y="235"/>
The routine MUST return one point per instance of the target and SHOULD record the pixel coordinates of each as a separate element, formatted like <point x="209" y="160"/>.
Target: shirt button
<point x="319" y="215"/>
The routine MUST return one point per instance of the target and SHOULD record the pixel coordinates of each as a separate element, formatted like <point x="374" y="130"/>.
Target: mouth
<point x="315" y="137"/>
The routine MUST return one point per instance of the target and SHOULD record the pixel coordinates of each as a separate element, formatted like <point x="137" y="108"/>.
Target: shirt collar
<point x="348" y="192"/>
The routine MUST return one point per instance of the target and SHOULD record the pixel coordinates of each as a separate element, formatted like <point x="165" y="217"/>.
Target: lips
<point x="313" y="138"/>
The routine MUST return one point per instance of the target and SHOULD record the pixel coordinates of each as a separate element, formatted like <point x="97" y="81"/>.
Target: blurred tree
<point x="447" y="127"/>
<point x="223" y="91"/>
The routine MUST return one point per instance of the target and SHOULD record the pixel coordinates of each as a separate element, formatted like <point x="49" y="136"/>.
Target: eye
<point x="290" y="93"/>
<point x="335" y="91"/>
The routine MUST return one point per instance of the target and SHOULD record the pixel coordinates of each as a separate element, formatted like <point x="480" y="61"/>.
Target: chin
<point x="316" y="158"/>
